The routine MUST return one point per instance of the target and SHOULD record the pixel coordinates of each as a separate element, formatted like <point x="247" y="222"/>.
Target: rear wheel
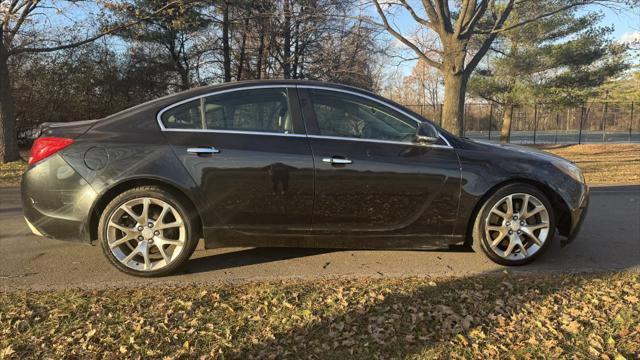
<point x="515" y="225"/>
<point x="147" y="231"/>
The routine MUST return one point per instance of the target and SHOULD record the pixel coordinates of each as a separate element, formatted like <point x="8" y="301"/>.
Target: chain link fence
<point x="547" y="124"/>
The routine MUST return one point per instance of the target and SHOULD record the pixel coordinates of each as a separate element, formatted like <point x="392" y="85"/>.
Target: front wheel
<point x="147" y="231"/>
<point x="515" y="225"/>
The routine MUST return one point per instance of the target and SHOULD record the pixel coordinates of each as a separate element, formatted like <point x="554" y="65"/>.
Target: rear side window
<point x="256" y="110"/>
<point x="183" y="116"/>
<point x="260" y="110"/>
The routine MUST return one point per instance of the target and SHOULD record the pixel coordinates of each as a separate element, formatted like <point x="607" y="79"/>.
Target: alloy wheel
<point x="517" y="226"/>
<point x="146" y="234"/>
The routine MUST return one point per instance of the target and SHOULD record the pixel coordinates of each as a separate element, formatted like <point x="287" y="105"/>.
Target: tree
<point x="25" y="28"/>
<point x="465" y="33"/>
<point x="560" y="59"/>
<point x="169" y="40"/>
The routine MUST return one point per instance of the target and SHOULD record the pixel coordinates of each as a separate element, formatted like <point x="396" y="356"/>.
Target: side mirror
<point x="427" y="133"/>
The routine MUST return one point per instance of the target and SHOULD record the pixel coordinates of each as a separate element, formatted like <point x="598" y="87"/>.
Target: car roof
<point x="250" y="83"/>
<point x="167" y="100"/>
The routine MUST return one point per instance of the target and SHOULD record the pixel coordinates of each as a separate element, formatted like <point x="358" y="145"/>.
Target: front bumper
<point x="56" y="200"/>
<point x="577" y="217"/>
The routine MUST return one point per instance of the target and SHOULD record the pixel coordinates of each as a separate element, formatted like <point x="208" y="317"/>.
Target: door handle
<point x="203" y="150"/>
<point x="337" y="160"/>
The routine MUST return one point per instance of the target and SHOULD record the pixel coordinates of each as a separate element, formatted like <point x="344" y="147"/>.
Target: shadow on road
<point x="609" y="240"/>
<point x="247" y="257"/>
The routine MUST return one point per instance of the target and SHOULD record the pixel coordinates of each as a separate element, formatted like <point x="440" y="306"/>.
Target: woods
<point x="67" y="60"/>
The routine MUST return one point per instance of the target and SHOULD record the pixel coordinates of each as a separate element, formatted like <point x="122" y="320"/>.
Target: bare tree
<point x="23" y="30"/>
<point x="465" y="32"/>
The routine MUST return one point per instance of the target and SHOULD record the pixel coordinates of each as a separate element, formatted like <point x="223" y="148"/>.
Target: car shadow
<point x="251" y="256"/>
<point x="609" y="240"/>
<point x="261" y="255"/>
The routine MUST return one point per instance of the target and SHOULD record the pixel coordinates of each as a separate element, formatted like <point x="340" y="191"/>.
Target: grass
<point x="488" y="316"/>
<point x="10" y="173"/>
<point x="601" y="163"/>
<point x="604" y="163"/>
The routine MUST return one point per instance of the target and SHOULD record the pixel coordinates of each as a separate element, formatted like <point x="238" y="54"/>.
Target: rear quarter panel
<point x="128" y="146"/>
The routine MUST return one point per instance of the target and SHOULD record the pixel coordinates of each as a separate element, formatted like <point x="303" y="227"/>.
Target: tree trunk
<point x="226" y="48"/>
<point x="260" y="55"/>
<point x="455" y="86"/>
<point x="286" y="56"/>
<point x="243" y="45"/>
<point x="507" y="116"/>
<point x="8" y="136"/>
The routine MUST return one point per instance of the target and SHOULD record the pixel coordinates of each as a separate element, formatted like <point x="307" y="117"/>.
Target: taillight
<point x="47" y="146"/>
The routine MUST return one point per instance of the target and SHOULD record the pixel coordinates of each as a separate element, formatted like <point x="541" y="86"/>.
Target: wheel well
<point x="560" y="208"/>
<point x="130" y="184"/>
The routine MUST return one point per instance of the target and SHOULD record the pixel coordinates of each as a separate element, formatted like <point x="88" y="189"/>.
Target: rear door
<point x="371" y="177"/>
<point x="248" y="152"/>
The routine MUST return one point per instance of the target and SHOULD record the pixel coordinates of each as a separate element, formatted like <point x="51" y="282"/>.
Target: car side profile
<point x="290" y="163"/>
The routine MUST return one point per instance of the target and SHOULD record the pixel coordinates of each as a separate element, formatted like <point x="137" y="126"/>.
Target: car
<point x="290" y="163"/>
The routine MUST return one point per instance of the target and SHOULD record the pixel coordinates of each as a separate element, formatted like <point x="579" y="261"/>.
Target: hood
<point x="519" y="149"/>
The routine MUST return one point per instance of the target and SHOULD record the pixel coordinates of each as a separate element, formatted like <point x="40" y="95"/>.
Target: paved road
<point x="610" y="240"/>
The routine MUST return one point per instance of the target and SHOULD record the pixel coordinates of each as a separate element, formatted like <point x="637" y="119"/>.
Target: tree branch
<point x="403" y="39"/>
<point x="95" y="37"/>
<point x="415" y="16"/>
<point x="536" y="18"/>
<point x="478" y="14"/>
<point x="489" y="40"/>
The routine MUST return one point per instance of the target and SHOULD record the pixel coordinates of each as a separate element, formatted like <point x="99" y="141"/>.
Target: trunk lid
<point x="71" y="129"/>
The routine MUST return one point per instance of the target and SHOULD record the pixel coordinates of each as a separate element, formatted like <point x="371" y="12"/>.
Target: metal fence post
<point x="631" y="122"/>
<point x="557" y="127"/>
<point x="464" y="118"/>
<point x="510" y="124"/>
<point x="491" y="118"/>
<point x="535" y="122"/>
<point x="604" y="123"/>
<point x="581" y="121"/>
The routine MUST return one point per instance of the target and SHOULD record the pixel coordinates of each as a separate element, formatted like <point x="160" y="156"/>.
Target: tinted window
<point x="340" y="114"/>
<point x="263" y="110"/>
<point x="184" y="116"/>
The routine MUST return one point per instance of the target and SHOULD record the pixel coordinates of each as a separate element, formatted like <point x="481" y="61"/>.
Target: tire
<point x="168" y="231"/>
<point x="521" y="227"/>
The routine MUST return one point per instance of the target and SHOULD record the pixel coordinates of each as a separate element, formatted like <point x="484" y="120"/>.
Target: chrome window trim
<point x="379" y="102"/>
<point x="328" y="88"/>
<point x="202" y="96"/>
<point x="377" y="141"/>
<point x="235" y="132"/>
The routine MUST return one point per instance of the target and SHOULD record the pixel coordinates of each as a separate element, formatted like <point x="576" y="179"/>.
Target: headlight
<point x="570" y="169"/>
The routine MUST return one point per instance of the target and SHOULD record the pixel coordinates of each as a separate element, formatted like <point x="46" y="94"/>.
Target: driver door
<point x="370" y="175"/>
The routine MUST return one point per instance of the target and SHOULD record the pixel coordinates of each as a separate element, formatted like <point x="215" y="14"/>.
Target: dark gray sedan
<point x="290" y="163"/>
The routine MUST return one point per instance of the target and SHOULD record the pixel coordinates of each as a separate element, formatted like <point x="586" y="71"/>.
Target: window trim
<point x="391" y="106"/>
<point x="295" y="86"/>
<point x="202" y="98"/>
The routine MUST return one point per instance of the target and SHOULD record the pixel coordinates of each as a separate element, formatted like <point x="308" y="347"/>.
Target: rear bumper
<point x="56" y="200"/>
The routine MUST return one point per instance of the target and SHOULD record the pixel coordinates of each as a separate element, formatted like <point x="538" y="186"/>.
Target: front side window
<point x="255" y="110"/>
<point x="261" y="110"/>
<point x="345" y="115"/>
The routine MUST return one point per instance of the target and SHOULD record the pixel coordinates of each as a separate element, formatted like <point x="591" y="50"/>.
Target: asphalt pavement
<point x="609" y="241"/>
